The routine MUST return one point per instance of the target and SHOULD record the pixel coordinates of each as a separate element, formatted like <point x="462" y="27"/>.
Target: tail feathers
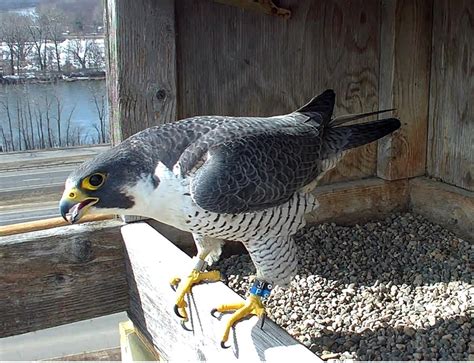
<point x="320" y="108"/>
<point x="337" y="139"/>
<point x="355" y="116"/>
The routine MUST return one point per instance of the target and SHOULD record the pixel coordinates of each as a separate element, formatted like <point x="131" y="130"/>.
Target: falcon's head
<point x="111" y="183"/>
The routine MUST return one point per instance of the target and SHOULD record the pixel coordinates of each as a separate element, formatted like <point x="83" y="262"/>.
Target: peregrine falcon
<point x="244" y="179"/>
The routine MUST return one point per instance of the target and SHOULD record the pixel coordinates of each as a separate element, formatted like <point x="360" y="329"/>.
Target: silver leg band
<point x="200" y="265"/>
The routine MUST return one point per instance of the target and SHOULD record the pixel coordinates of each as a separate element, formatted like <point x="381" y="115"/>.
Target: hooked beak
<point x="74" y="204"/>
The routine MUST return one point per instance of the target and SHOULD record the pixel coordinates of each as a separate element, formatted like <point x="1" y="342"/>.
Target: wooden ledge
<point x="444" y="204"/>
<point x="151" y="262"/>
<point x="61" y="275"/>
<point x="359" y="201"/>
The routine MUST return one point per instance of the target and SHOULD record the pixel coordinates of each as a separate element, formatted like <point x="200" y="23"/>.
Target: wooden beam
<point x="405" y="50"/>
<point x="445" y="204"/>
<point x="264" y="6"/>
<point x="451" y="127"/>
<point x="61" y="275"/>
<point x="151" y="262"/>
<point x="141" y="64"/>
<point x="359" y="201"/>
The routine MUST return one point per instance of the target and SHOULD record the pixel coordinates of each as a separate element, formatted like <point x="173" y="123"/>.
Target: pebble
<point x="394" y="289"/>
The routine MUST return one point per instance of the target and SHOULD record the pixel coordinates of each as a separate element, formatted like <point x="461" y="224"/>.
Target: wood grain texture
<point x="237" y="62"/>
<point x="451" y="124"/>
<point x="359" y="201"/>
<point x="265" y="6"/>
<point x="141" y="73"/>
<point x="151" y="262"/>
<point x="61" y="275"/>
<point x="445" y="204"/>
<point x="405" y="53"/>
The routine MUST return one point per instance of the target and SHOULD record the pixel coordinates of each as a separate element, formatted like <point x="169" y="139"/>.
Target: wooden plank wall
<point x="451" y="124"/>
<point x="173" y="59"/>
<point x="237" y="62"/>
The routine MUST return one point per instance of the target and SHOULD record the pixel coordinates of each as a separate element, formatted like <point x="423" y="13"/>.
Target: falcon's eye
<point x="93" y="181"/>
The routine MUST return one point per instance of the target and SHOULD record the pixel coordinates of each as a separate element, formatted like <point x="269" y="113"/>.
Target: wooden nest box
<point x="168" y="60"/>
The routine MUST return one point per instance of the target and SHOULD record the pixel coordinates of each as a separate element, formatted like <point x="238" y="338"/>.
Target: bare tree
<point x="7" y="35"/>
<point x="6" y="107"/>
<point x="80" y="50"/>
<point x="101" y="127"/>
<point x="96" y="55"/>
<point x="69" y="135"/>
<point x="21" y="38"/>
<point x="52" y="19"/>
<point x="37" y="31"/>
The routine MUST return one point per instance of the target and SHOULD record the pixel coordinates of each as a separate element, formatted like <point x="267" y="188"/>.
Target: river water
<point x="29" y="115"/>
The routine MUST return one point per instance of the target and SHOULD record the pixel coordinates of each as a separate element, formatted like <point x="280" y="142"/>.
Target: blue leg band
<point x="261" y="288"/>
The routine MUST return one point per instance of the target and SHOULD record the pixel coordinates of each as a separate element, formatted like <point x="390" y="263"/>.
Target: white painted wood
<point x="152" y="262"/>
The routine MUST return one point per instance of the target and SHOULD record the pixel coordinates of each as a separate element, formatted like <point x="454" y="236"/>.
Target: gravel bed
<point x="397" y="289"/>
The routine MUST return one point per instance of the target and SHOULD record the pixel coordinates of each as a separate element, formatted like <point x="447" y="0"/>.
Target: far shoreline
<point x="65" y="77"/>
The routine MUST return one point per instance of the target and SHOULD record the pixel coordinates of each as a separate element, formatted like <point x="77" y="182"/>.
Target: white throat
<point x="166" y="203"/>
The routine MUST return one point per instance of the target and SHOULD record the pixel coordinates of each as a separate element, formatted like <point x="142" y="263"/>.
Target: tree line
<point x="47" y="41"/>
<point x="42" y="122"/>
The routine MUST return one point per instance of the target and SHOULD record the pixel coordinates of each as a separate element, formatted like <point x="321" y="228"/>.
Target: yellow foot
<point x="195" y="277"/>
<point x="251" y="306"/>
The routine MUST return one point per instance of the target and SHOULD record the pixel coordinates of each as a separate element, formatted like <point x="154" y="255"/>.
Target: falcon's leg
<point x="276" y="267"/>
<point x="209" y="250"/>
<point x="253" y="305"/>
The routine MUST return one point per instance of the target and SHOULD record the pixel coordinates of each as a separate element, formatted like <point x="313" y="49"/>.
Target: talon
<point x="176" y="311"/>
<point x="183" y="325"/>
<point x="263" y="320"/>
<point x="213" y="311"/>
<point x="223" y="346"/>
<point x="224" y="278"/>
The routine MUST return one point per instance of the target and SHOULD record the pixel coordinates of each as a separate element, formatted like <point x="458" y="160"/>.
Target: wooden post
<point x="451" y="131"/>
<point x="405" y="50"/>
<point x="151" y="263"/>
<point x="141" y="64"/>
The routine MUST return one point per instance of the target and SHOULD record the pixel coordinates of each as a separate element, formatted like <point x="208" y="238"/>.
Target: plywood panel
<point x="451" y="123"/>
<point x="237" y="62"/>
<point x="405" y="52"/>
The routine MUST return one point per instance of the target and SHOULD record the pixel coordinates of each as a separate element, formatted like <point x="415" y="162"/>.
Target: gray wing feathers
<point x="167" y="142"/>
<point x="233" y="128"/>
<point x="258" y="171"/>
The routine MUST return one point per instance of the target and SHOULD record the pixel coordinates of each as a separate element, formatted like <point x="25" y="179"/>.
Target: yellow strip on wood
<point x="133" y="347"/>
<point x="46" y="224"/>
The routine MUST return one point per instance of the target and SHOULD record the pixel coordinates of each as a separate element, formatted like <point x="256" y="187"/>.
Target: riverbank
<point x="50" y="77"/>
